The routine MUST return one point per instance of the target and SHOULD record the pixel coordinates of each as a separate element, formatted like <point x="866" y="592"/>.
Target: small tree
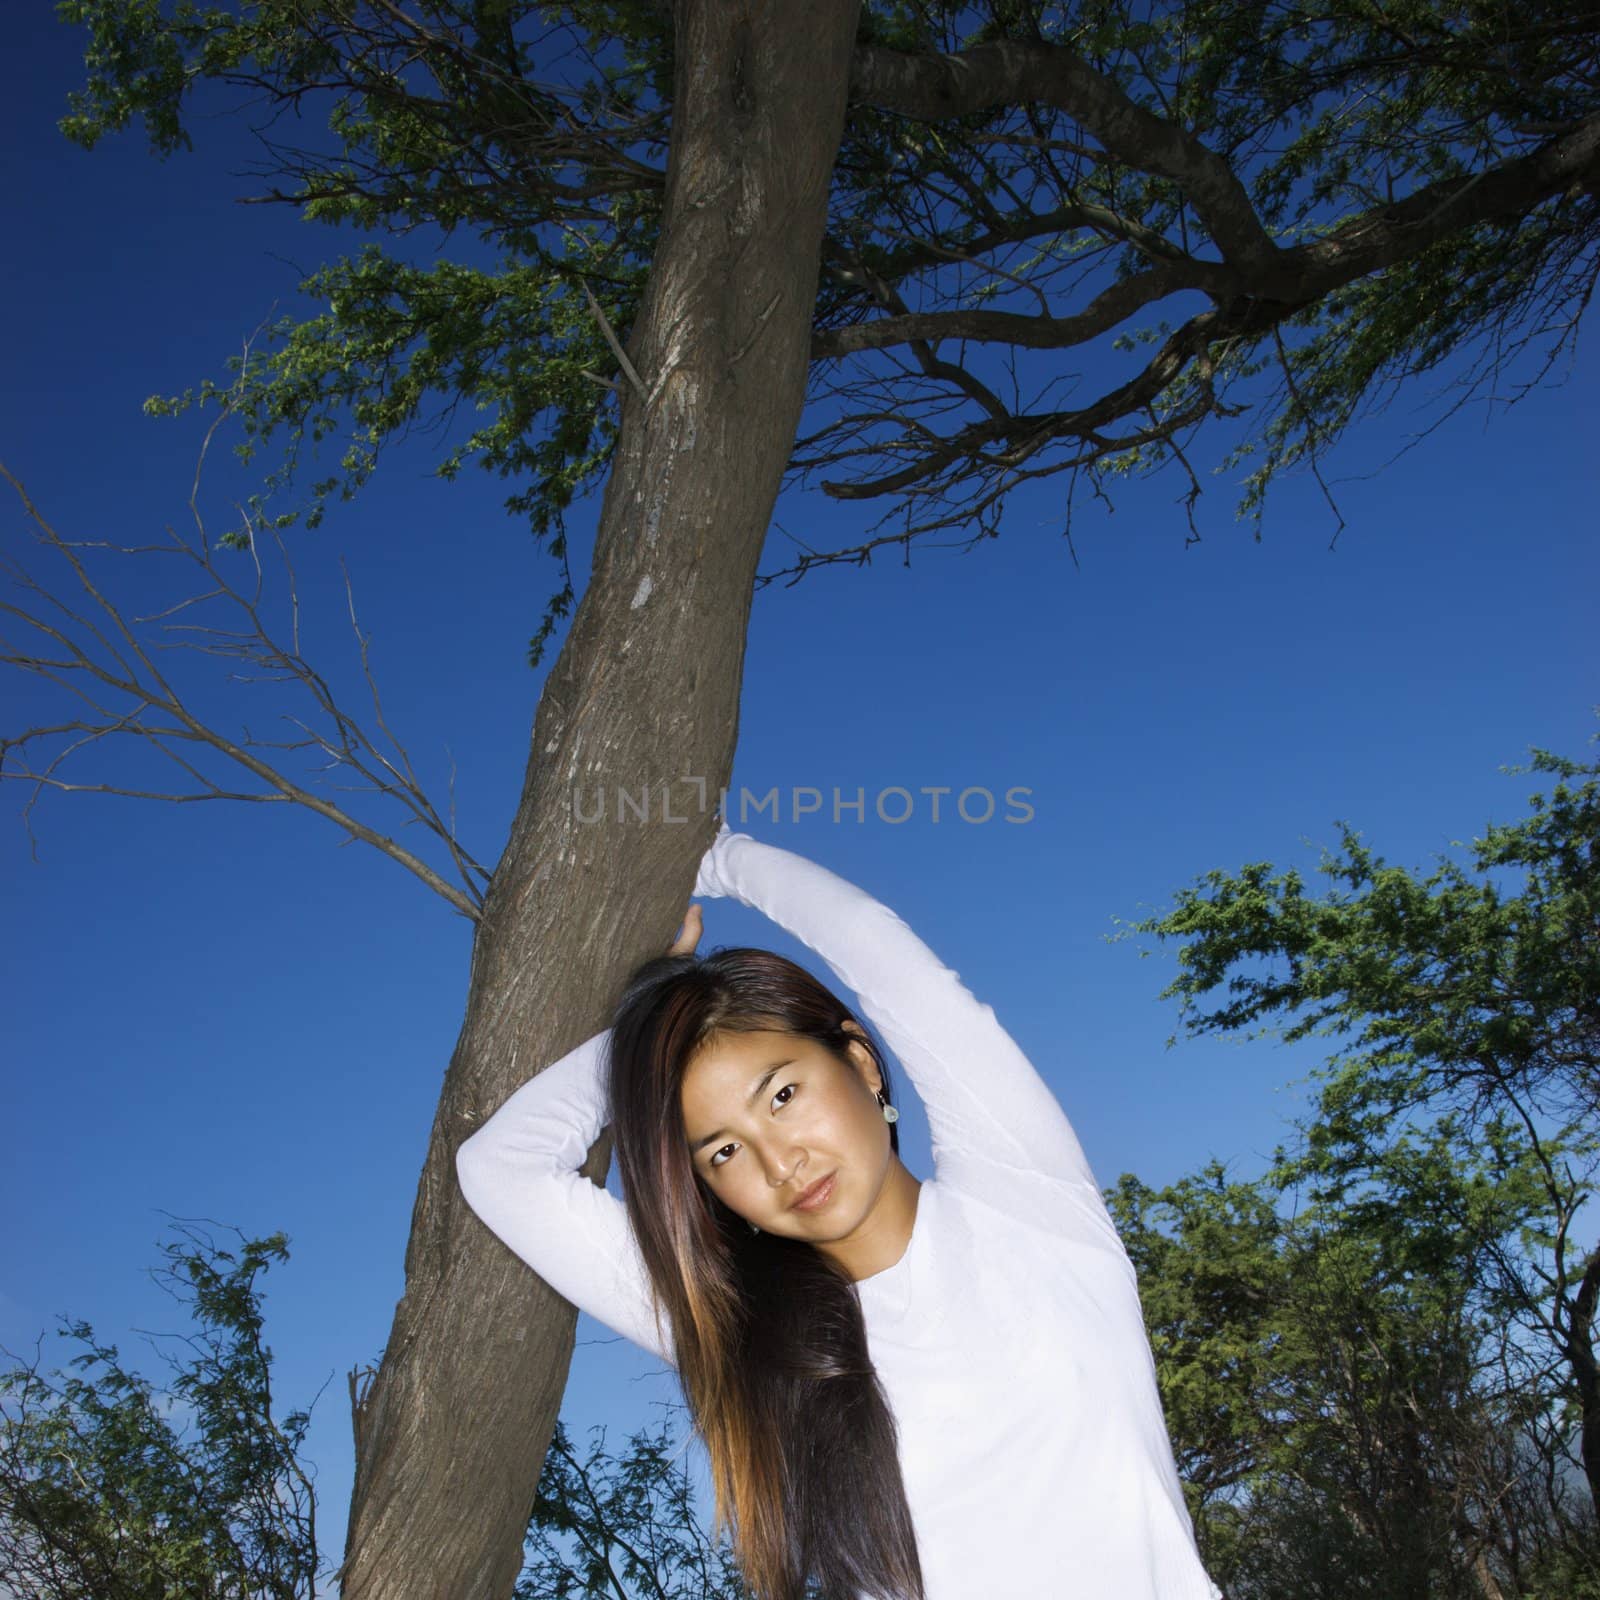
<point x="113" y="1489"/>
<point x="1335" y="1379"/>
<point x="622" y="1526"/>
<point x="1413" y="1360"/>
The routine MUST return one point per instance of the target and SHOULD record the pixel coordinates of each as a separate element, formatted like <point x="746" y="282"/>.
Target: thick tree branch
<point x="914" y="254"/>
<point x="1108" y="310"/>
<point x="1567" y="164"/>
<point x="1015" y="72"/>
<point x="1026" y="435"/>
<point x="1367" y="244"/>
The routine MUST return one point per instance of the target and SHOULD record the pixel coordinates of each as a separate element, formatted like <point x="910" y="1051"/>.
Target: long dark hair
<point x="770" y="1342"/>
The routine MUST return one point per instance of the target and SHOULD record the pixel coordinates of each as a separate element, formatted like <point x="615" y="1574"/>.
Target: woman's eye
<point x="780" y="1105"/>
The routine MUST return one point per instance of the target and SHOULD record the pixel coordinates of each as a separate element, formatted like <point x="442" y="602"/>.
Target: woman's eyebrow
<point x="760" y="1084"/>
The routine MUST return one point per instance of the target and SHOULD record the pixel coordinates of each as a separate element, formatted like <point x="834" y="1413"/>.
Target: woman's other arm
<point x="519" y="1172"/>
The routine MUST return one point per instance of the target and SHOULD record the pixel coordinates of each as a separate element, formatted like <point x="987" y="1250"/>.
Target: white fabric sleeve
<point x="988" y="1109"/>
<point x="519" y="1172"/>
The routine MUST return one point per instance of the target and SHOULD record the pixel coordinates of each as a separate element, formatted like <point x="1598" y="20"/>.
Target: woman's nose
<point x="779" y="1161"/>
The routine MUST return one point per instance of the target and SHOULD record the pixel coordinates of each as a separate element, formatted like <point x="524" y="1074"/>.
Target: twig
<point x="612" y="340"/>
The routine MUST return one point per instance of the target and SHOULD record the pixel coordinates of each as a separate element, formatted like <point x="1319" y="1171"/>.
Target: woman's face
<point x="768" y="1114"/>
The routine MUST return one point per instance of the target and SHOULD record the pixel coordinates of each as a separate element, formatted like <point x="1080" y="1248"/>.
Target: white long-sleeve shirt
<point x="1008" y="1337"/>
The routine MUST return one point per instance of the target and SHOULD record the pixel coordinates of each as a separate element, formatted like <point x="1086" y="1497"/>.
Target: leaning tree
<point x="919" y="254"/>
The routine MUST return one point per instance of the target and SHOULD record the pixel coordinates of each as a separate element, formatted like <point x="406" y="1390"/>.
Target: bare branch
<point x="616" y="344"/>
<point x="159" y="715"/>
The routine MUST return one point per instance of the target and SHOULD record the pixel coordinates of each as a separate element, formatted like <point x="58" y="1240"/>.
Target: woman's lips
<point x="817" y="1196"/>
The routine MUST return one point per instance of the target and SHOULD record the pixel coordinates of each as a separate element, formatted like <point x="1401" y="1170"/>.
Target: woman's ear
<point x="860" y="1051"/>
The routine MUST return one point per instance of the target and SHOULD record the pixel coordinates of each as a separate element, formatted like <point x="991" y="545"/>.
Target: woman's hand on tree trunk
<point x="688" y="934"/>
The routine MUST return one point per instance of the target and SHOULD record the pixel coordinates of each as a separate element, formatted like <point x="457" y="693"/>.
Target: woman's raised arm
<point x="987" y="1106"/>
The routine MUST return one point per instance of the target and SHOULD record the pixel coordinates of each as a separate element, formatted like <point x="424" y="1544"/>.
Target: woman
<point x="934" y="1389"/>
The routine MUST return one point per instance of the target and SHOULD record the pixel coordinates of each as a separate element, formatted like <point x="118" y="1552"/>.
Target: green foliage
<point x="1446" y="984"/>
<point x="1379" y="1359"/>
<point x="609" y="1525"/>
<point x="1214" y="1278"/>
<point x="523" y="147"/>
<point x="463" y="141"/>
<point x="517" y="343"/>
<point x="113" y="1489"/>
<point x="1317" y="1366"/>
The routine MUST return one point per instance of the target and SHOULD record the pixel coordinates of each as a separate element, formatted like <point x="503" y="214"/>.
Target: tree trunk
<point x="1485" y="1576"/>
<point x="1580" y="1355"/>
<point x="451" y="1435"/>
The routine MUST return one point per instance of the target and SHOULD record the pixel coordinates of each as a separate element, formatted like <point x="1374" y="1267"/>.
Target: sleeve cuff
<point x="712" y="881"/>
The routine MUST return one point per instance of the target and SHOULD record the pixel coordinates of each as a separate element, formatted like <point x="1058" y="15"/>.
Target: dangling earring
<point x="754" y="1228"/>
<point x="890" y="1113"/>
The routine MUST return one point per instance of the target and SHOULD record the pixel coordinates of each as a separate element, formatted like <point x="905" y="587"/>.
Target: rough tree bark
<point x="451" y="1434"/>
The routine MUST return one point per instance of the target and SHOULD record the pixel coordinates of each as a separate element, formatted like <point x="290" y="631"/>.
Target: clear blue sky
<point x="217" y="1011"/>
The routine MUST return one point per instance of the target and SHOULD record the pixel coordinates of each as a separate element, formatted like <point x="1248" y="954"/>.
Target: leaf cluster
<point x="1329" y="1374"/>
<point x="612" y="1525"/>
<point x="114" y="1489"/>
<point x="1387" y="1342"/>
<point x="1279" y="210"/>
